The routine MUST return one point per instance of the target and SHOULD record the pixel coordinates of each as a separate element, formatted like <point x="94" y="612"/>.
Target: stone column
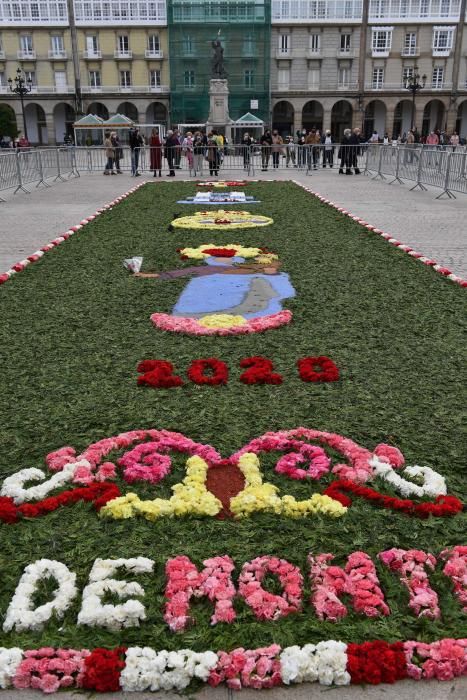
<point x="49" y="121"/>
<point x="389" y="123"/>
<point x="451" y="118"/>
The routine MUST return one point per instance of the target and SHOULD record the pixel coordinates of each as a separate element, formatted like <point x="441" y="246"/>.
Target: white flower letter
<point x="113" y="617"/>
<point x="21" y="615"/>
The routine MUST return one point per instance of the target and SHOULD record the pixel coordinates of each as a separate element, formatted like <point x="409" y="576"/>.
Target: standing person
<point x="301" y="138"/>
<point x="454" y="140"/>
<point x="170" y="146"/>
<point x="290" y="152"/>
<point x="219" y="139"/>
<point x="199" y="147"/>
<point x="266" y="145"/>
<point x="109" y="154"/>
<point x="213" y="155"/>
<point x="187" y="147"/>
<point x="155" y="152"/>
<point x="328" y="149"/>
<point x="410" y="146"/>
<point x="432" y="141"/>
<point x="177" y="148"/>
<point x="345" y="153"/>
<point x="374" y="137"/>
<point x="312" y="141"/>
<point x="277" y="143"/>
<point x="386" y="139"/>
<point x="355" y="141"/>
<point x="136" y="144"/>
<point x="117" y="150"/>
<point x="247" y="144"/>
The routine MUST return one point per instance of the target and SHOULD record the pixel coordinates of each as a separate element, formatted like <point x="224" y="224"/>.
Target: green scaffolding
<point x="244" y="29"/>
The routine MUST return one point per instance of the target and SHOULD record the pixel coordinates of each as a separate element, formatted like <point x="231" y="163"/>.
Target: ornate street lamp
<point x="22" y="88"/>
<point x="413" y="85"/>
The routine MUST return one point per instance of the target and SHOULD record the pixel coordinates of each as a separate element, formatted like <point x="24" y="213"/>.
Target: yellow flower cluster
<point x="221" y="321"/>
<point x="258" y="496"/>
<point x="206" y="220"/>
<point x="199" y="254"/>
<point x="191" y="497"/>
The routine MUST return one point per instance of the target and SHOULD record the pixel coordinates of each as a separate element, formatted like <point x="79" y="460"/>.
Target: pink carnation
<point x="59" y="458"/>
<point x="456" y="569"/>
<point x="265" y="605"/>
<point x="410" y="564"/>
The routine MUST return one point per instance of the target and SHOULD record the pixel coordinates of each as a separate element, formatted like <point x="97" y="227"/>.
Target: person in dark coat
<point x="170" y="147"/>
<point x="266" y="145"/>
<point x="355" y="141"/>
<point x="155" y="152"/>
<point x="136" y="144"/>
<point x="344" y="153"/>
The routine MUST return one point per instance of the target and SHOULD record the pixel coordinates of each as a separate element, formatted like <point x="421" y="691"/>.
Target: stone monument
<point x="219" y="92"/>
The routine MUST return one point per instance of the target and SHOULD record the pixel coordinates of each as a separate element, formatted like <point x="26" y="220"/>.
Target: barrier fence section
<point x="444" y="167"/>
<point x="35" y="167"/>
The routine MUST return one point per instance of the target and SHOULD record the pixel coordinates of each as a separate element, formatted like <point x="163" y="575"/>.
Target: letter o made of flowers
<point x="265" y="605"/>
<point x="209" y="371"/>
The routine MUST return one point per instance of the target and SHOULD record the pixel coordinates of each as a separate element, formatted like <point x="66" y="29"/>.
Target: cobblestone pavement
<point x="434" y="227"/>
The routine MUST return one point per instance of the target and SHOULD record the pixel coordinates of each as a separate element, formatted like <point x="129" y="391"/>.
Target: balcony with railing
<point x="284" y="53"/>
<point x="95" y="54"/>
<point x="125" y="89"/>
<point x="345" y="53"/>
<point x="123" y="54"/>
<point x="401" y="87"/>
<point x="314" y="52"/>
<point x="306" y="11"/>
<point x="26" y="55"/>
<point x="410" y="52"/>
<point x="418" y="10"/>
<point x="323" y="87"/>
<point x="45" y="12"/>
<point x="123" y="12"/>
<point x="57" y="55"/>
<point x="153" y="53"/>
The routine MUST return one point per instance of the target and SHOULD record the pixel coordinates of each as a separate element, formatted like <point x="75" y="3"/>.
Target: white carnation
<point x="9" y="662"/>
<point x="21" y="615"/>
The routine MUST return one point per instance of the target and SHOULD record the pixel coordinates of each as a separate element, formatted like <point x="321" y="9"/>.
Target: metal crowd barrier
<point x="440" y="166"/>
<point x="35" y="167"/>
<point x="444" y="167"/>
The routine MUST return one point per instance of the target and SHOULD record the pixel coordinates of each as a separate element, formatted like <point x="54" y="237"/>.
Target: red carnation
<point x="198" y="368"/>
<point x="102" y="670"/>
<point x="220" y="252"/>
<point x="8" y="510"/>
<point x="317" y="369"/>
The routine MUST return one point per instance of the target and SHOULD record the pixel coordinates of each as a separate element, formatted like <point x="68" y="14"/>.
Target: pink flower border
<point x="180" y="324"/>
<point x="22" y="264"/>
<point x="446" y="272"/>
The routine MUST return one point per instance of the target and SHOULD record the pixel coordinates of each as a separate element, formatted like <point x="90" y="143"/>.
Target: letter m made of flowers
<point x="357" y="579"/>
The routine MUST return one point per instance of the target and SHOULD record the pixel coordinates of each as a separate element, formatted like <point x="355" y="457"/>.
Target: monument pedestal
<point x="219" y="107"/>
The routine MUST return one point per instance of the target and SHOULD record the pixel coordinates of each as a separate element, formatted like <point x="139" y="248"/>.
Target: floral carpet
<point x="242" y="466"/>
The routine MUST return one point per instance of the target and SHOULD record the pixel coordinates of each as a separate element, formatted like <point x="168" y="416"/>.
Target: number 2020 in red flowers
<point x="210" y="371"/>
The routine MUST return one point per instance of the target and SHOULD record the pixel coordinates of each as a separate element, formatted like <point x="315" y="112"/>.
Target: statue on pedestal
<point x="217" y="62"/>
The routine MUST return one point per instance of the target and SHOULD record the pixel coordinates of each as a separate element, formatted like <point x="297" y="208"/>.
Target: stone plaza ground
<point x="432" y="227"/>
